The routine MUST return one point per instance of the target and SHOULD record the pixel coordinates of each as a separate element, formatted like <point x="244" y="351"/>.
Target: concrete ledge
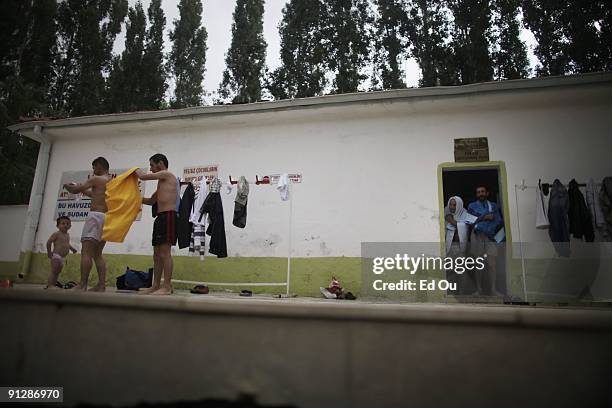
<point x="124" y="349"/>
<point x="315" y="309"/>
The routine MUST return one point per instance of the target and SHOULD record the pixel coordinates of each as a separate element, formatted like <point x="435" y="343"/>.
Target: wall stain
<point x="325" y="251"/>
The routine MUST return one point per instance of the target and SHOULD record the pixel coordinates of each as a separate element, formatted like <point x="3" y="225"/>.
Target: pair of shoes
<point x="245" y="292"/>
<point x="200" y="290"/>
<point x="327" y="294"/>
<point x="70" y="285"/>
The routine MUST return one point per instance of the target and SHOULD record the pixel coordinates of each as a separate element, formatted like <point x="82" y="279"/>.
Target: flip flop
<point x="70" y="285"/>
<point x="200" y="290"/>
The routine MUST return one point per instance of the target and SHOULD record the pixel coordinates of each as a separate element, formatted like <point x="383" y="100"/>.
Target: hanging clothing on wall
<point x="541" y="216"/>
<point x="605" y="200"/>
<point x="240" y="203"/>
<point x="184" y="227"/>
<point x="594" y="206"/>
<point x="123" y="201"/>
<point x="198" y="241"/>
<point x="579" y="217"/>
<point x="558" y="208"/>
<point x="283" y="186"/>
<point x="216" y="227"/>
<point x="196" y="217"/>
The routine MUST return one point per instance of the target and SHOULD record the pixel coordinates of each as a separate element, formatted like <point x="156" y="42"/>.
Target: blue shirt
<point x="480" y="209"/>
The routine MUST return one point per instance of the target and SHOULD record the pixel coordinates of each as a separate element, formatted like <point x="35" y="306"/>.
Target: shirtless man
<point x="91" y="237"/>
<point x="164" y="227"/>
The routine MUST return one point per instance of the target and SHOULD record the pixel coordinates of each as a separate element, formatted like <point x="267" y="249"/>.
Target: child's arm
<point x="50" y="241"/>
<point x="87" y="193"/>
<point x="74" y="251"/>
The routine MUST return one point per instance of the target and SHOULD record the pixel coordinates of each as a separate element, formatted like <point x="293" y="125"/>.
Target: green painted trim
<point x="307" y="274"/>
<point x="25" y="261"/>
<point x="503" y="176"/>
<point x="8" y="270"/>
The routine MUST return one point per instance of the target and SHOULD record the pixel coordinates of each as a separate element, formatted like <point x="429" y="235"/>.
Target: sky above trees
<point x="217" y="18"/>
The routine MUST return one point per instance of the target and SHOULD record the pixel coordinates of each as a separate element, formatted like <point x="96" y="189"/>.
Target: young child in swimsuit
<point x="60" y="240"/>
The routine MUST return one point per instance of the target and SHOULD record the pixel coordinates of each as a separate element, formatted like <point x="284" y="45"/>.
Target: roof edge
<point x="359" y="97"/>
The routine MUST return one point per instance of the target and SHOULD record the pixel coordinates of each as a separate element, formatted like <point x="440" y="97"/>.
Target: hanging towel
<point x="541" y="216"/>
<point x="184" y="227"/>
<point x="198" y="241"/>
<point x="199" y="200"/>
<point x="463" y="218"/>
<point x="283" y="186"/>
<point x="124" y="203"/>
<point x="579" y="217"/>
<point x="558" y="209"/>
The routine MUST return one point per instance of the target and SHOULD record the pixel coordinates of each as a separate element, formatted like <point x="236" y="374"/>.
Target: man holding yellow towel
<point x="164" y="227"/>
<point x="92" y="243"/>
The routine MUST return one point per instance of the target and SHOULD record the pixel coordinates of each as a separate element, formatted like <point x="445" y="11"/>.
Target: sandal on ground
<point x="200" y="290"/>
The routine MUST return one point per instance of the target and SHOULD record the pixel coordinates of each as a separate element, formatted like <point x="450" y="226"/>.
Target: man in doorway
<point x="482" y="239"/>
<point x="164" y="226"/>
<point x="91" y="236"/>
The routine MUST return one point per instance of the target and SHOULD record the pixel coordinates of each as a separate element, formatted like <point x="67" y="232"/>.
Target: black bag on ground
<point x="134" y="280"/>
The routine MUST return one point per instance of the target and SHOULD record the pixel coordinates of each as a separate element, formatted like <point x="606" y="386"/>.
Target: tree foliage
<point x="391" y="45"/>
<point x="573" y="36"/>
<point x="302" y="51"/>
<point x="188" y="56"/>
<point x="245" y="60"/>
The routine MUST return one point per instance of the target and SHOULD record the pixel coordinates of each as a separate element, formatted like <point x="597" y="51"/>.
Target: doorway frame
<point x="500" y="166"/>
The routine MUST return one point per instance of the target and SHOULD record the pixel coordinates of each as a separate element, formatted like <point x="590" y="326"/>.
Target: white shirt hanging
<point x="541" y="216"/>
<point x="283" y="186"/>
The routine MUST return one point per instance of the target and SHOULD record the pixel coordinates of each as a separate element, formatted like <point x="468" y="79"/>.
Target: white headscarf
<point x="460" y="213"/>
<point x="462" y="217"/>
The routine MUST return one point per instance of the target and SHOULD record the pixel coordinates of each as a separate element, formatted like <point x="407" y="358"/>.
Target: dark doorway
<point x="462" y="182"/>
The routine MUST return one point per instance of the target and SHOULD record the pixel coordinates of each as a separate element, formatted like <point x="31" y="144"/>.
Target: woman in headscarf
<point x="457" y="232"/>
<point x="457" y="220"/>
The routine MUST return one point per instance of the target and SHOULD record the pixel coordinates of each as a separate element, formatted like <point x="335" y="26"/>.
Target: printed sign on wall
<point x="194" y="174"/>
<point x="473" y="149"/>
<point x="76" y="206"/>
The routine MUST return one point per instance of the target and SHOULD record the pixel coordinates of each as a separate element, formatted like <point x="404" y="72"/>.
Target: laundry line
<point x="266" y="180"/>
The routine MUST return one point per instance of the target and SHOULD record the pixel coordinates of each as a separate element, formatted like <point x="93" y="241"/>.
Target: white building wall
<point x="12" y="219"/>
<point x="369" y="170"/>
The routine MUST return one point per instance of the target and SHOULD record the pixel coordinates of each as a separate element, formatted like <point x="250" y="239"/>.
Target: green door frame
<point x="501" y="167"/>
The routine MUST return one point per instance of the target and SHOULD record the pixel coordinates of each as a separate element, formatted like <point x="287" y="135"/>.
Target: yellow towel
<point x="124" y="202"/>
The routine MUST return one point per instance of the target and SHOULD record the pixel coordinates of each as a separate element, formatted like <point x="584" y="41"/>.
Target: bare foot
<point x="78" y="288"/>
<point x="98" y="288"/>
<point x="52" y="287"/>
<point x="163" y="291"/>
<point x="148" y="291"/>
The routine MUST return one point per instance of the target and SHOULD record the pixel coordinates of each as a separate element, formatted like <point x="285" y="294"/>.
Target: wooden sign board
<point x="474" y="149"/>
